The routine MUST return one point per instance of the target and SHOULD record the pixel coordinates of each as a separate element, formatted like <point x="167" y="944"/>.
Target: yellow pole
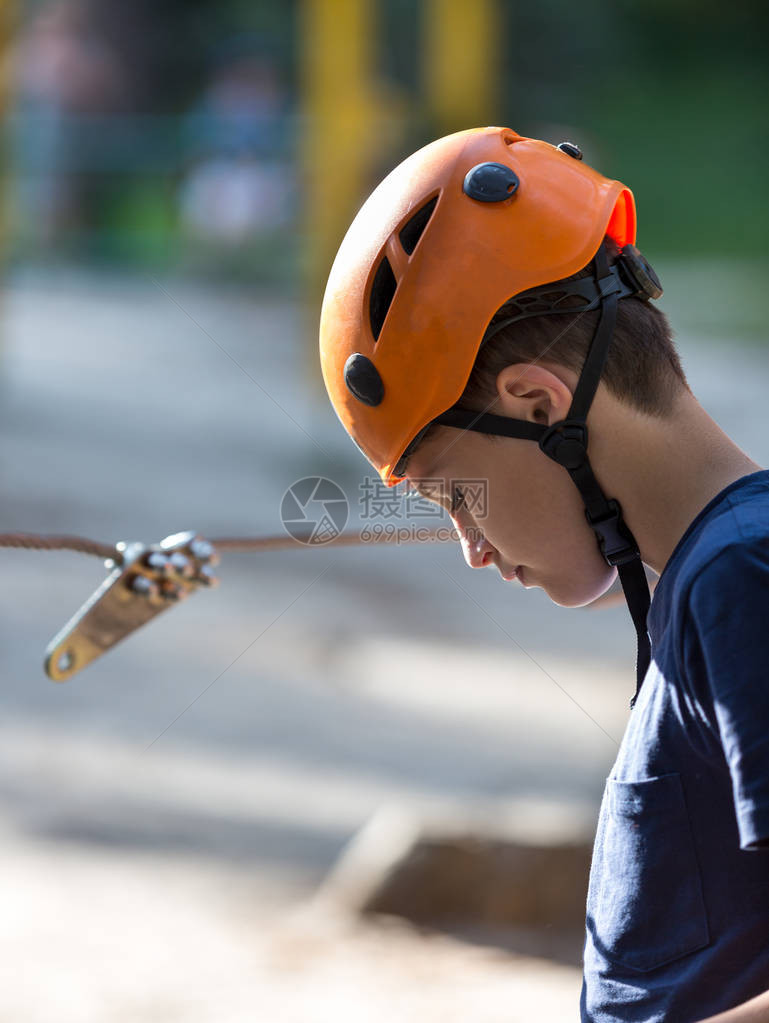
<point x="7" y="26"/>
<point x="461" y="65"/>
<point x="339" y="135"/>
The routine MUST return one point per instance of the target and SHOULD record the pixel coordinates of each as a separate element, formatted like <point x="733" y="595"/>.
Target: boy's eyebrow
<point x="416" y="484"/>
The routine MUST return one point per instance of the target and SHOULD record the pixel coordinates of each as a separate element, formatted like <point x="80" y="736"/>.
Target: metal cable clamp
<point x="144" y="581"/>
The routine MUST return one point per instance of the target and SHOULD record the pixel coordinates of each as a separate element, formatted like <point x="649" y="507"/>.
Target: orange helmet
<point x="454" y="232"/>
<point x="459" y="229"/>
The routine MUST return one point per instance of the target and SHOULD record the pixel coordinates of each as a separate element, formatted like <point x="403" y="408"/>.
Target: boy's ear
<point x="532" y="392"/>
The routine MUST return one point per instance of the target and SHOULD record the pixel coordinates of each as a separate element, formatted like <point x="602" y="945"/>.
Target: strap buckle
<point x="566" y="443"/>
<point x="617" y="547"/>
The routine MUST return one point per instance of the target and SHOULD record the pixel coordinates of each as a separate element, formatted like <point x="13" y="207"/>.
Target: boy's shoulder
<point x="707" y="620"/>
<point x="732" y="524"/>
<point x="722" y="556"/>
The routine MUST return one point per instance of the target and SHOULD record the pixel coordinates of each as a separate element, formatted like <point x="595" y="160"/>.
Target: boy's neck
<point x="662" y="471"/>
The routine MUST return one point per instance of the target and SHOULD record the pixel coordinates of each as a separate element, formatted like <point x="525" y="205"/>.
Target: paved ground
<point x="151" y="855"/>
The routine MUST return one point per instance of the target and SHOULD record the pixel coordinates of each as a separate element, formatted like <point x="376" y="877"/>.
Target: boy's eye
<point x="457" y="499"/>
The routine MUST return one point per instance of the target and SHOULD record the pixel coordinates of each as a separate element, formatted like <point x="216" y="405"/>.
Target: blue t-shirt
<point x="678" y="900"/>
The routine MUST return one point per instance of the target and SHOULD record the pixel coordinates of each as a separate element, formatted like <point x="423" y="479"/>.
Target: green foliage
<point x="668" y="96"/>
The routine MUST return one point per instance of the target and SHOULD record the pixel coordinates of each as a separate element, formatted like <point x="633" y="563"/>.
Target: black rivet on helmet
<point x="571" y="149"/>
<point x="490" y="182"/>
<point x="363" y="379"/>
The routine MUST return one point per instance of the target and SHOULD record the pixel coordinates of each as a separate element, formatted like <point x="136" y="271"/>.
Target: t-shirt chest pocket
<point x="644" y="905"/>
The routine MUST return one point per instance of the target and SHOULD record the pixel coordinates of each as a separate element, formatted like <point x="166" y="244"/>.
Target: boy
<point x="487" y="296"/>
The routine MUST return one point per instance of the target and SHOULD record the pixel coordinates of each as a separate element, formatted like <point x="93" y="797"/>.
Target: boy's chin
<point x="582" y="593"/>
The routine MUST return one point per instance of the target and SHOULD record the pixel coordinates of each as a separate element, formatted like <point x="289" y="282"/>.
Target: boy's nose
<point x="477" y="550"/>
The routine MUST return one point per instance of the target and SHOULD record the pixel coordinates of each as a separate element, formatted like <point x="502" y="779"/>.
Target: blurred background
<point x="175" y="178"/>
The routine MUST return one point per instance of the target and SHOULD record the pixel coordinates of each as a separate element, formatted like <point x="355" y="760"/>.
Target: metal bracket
<point x="145" y="580"/>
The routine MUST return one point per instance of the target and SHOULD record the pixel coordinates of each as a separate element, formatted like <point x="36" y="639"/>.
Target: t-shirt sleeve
<point x="727" y="646"/>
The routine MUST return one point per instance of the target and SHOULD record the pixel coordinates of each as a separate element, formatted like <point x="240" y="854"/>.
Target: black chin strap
<point x="566" y="443"/>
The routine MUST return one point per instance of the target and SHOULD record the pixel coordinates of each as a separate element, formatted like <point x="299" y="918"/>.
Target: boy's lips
<point x="509" y="574"/>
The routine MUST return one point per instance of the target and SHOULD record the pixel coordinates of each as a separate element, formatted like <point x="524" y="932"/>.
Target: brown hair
<point x="642" y="365"/>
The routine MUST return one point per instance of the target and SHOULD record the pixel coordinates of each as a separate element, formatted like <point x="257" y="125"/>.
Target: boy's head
<point x="531" y="516"/>
<point x="441" y="300"/>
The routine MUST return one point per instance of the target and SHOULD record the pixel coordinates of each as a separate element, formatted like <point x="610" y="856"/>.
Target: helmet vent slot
<point x="412" y="230"/>
<point x="382" y="291"/>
